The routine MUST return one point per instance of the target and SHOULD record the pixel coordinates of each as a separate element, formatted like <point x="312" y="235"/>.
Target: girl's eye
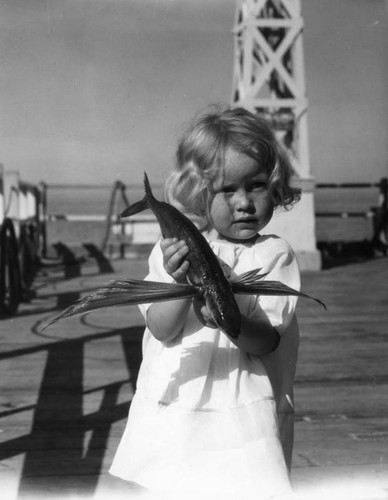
<point x="227" y="190"/>
<point x="258" y="185"/>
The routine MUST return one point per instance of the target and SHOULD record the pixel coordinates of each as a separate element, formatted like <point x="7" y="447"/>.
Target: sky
<point x="92" y="91"/>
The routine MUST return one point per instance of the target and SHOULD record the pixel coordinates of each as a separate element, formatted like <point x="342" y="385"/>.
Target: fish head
<point x="227" y="319"/>
<point x="225" y="314"/>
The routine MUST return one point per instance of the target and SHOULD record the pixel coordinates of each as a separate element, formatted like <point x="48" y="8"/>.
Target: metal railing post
<point x="43" y="222"/>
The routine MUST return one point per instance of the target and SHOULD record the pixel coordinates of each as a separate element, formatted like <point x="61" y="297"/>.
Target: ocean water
<point x="85" y="201"/>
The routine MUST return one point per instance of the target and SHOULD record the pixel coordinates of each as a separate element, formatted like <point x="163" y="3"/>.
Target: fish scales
<point x="202" y="259"/>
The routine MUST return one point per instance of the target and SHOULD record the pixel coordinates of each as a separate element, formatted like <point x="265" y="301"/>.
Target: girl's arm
<point x="269" y="316"/>
<point x="257" y="337"/>
<point x="166" y="319"/>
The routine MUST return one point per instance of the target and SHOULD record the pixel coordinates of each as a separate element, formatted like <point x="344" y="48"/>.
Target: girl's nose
<point x="242" y="201"/>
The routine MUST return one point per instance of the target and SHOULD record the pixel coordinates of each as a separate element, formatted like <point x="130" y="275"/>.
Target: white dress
<point x="203" y="423"/>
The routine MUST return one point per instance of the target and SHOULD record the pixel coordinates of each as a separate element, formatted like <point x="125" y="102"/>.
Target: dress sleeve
<point x="156" y="272"/>
<point x="281" y="265"/>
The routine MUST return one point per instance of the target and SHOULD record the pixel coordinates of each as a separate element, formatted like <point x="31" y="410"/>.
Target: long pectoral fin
<point x="251" y="283"/>
<point x="123" y="293"/>
<point x="248" y="278"/>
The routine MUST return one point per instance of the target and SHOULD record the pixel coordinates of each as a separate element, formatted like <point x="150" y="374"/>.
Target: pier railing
<point x="115" y="236"/>
<point x="21" y="230"/>
<point x="24" y="217"/>
<point x="143" y="228"/>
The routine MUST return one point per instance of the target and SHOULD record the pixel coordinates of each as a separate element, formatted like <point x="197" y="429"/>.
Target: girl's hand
<point x="203" y="313"/>
<point x="206" y="318"/>
<point x="174" y="262"/>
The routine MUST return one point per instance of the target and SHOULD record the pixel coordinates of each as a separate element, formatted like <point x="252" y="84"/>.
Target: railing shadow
<point x="71" y="262"/>
<point x="103" y="263"/>
<point x="72" y="265"/>
<point x="57" y="458"/>
<point x="64" y="299"/>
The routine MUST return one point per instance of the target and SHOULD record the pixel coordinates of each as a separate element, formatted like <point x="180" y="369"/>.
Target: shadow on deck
<point x="54" y="443"/>
<point x="57" y="458"/>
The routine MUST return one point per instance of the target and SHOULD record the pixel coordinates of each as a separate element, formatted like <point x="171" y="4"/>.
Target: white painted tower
<point x="269" y="79"/>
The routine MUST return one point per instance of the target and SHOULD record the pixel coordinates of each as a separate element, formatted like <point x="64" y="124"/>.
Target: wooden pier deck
<point x="65" y="393"/>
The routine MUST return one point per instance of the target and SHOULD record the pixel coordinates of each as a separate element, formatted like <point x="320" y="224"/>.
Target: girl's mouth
<point x="249" y="221"/>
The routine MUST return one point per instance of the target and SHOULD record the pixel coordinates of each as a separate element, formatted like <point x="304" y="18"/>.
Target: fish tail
<point x="141" y="205"/>
<point x="135" y="208"/>
<point x="147" y="187"/>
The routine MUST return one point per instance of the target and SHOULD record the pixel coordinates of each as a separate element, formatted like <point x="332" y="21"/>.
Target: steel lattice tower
<point x="269" y="71"/>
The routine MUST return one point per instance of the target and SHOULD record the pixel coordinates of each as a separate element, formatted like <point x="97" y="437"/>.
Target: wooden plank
<point x="65" y="394"/>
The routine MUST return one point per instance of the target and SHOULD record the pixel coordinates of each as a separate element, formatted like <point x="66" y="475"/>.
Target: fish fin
<point x="250" y="277"/>
<point x="251" y="285"/>
<point x="123" y="293"/>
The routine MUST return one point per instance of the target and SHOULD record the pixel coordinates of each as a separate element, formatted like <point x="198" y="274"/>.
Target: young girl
<point x="203" y="421"/>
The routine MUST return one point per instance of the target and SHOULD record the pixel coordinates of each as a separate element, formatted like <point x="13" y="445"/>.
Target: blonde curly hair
<point x="201" y="153"/>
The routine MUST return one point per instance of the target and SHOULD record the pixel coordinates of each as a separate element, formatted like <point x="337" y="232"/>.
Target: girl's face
<point x="241" y="206"/>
